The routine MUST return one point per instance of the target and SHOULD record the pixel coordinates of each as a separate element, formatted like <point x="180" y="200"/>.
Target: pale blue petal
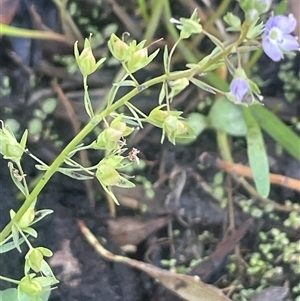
<point x="239" y="88"/>
<point x="289" y="43"/>
<point x="286" y="24"/>
<point x="272" y="50"/>
<point x="270" y="24"/>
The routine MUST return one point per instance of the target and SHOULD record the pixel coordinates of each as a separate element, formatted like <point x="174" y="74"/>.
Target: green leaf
<point x="203" y="86"/>
<point x="257" y="154"/>
<point x="74" y="175"/>
<point x="198" y="123"/>
<point x="166" y="58"/>
<point x="226" y="116"/>
<point x="281" y="7"/>
<point x="233" y="21"/>
<point x="10" y="246"/>
<point x="136" y="116"/>
<point x="278" y="130"/>
<point x="30" y="231"/>
<point x="12" y="294"/>
<point x="162" y="93"/>
<point x="88" y="103"/>
<point x="24" y="139"/>
<point x="124" y="183"/>
<point x="125" y="83"/>
<point x="41" y="214"/>
<point x="15" y="235"/>
<point x="15" y="180"/>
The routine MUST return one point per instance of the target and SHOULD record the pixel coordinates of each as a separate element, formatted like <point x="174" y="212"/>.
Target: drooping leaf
<point x="257" y="154"/>
<point x="9" y="246"/>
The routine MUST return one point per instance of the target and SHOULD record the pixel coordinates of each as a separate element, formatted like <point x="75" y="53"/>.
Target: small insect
<point x="132" y="156"/>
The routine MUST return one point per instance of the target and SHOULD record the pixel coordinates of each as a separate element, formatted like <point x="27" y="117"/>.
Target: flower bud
<point x="178" y="85"/>
<point x="118" y="48"/>
<point x="27" y="218"/>
<point x="30" y="286"/>
<point x="254" y="8"/>
<point x="189" y="26"/>
<point x="157" y="116"/>
<point x="174" y="127"/>
<point x="34" y="259"/>
<point x="107" y="175"/>
<point x="10" y="148"/>
<point x="86" y="60"/>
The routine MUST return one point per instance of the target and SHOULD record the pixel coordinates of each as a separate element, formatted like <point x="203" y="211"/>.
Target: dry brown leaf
<point x="133" y="230"/>
<point x="190" y="288"/>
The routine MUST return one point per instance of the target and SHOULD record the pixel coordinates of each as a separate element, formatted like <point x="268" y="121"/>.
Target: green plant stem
<point x="24" y="236"/>
<point x="209" y="24"/>
<point x="32" y="34"/>
<point x="171" y="54"/>
<point x="130" y="105"/>
<point x="157" y="11"/>
<point x="219" y="12"/>
<point x="223" y="146"/>
<point x="187" y="54"/>
<point x="9" y="280"/>
<point x="87" y="101"/>
<point x="31" y="198"/>
<point x="143" y="10"/>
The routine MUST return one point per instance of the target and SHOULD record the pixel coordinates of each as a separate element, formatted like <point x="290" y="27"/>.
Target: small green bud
<point x="189" y="26"/>
<point x="29" y="286"/>
<point x="157" y="116"/>
<point x="10" y="148"/>
<point x="119" y="125"/>
<point x="140" y="59"/>
<point x="178" y="85"/>
<point x="233" y="21"/>
<point x="27" y="218"/>
<point x="107" y="175"/>
<point x="118" y="48"/>
<point x="35" y="257"/>
<point x="86" y="60"/>
<point x="112" y="134"/>
<point x="174" y="127"/>
<point x="254" y="8"/>
<point x="134" y="55"/>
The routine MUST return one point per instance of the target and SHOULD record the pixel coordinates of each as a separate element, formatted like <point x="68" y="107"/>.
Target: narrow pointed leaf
<point x="10" y="245"/>
<point x="257" y="154"/>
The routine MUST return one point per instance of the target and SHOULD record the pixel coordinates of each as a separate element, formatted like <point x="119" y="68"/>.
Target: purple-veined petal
<point x="272" y="50"/>
<point x="239" y="88"/>
<point x="289" y="43"/>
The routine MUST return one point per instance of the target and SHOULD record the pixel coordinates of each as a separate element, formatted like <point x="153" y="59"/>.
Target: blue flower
<point x="240" y="89"/>
<point x="277" y="36"/>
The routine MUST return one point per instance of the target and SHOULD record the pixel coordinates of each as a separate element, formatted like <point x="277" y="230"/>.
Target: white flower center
<point x="275" y="34"/>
